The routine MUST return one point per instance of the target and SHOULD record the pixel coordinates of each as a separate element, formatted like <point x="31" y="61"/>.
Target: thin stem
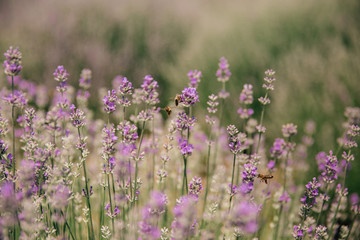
<point x="207" y="173"/>
<point x="87" y="190"/>
<point x="136" y="161"/>
<point x="278" y="224"/>
<point x="261" y="122"/>
<point x="67" y="225"/>
<point x="334" y="218"/>
<point x="13" y="127"/>
<point x="232" y="181"/>
<point x="185" y="185"/>
<point x="351" y="226"/>
<point x="153" y="154"/>
<point x="111" y="206"/>
<point x="322" y="205"/>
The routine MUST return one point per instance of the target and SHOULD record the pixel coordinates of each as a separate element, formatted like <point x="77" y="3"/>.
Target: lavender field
<point x="129" y="127"/>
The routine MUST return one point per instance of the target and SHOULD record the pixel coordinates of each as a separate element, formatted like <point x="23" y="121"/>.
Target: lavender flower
<point x="212" y="104"/>
<point x="77" y="117"/>
<point x="12" y="63"/>
<point x="125" y="88"/>
<point x="330" y="173"/>
<point x="128" y="132"/>
<point x="189" y="96"/>
<point x="289" y="130"/>
<point x="109" y="140"/>
<point x="248" y="175"/>
<point x="150" y="94"/>
<point x="85" y="79"/>
<point x="17" y="99"/>
<point x="109" y="101"/>
<point x="243" y="217"/>
<point x="59" y="197"/>
<point x="320" y="233"/>
<point x="195" y="187"/>
<point x="185" y="148"/>
<point x="194" y="77"/>
<point x="298" y="232"/>
<point x="284" y="198"/>
<point x="183" y="122"/>
<point x="237" y="140"/>
<point x="309" y="198"/>
<point x="184" y="224"/>
<point x="151" y="213"/>
<point x="61" y="76"/>
<point x="108" y="211"/>
<point x="223" y="73"/>
<point x="278" y="148"/>
<point x="246" y="95"/>
<point x="269" y="79"/>
<point x="246" y="98"/>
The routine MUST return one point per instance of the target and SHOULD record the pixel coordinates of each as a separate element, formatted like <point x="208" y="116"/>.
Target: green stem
<point x="153" y="154"/>
<point x="13" y="127"/>
<point x="351" y="226"/>
<point x="232" y="181"/>
<point x="278" y="224"/>
<point x="87" y="191"/>
<point x="136" y="162"/>
<point x="334" y="218"/>
<point x="185" y="184"/>
<point x="261" y="122"/>
<point x="67" y="225"/>
<point x="207" y="174"/>
<point x="322" y="205"/>
<point x="111" y="206"/>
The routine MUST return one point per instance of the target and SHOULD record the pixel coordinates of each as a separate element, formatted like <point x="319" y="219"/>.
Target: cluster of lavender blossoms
<point x="133" y="167"/>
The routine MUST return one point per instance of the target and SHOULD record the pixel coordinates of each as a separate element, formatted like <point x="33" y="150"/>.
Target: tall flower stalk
<point x="77" y="119"/>
<point x="212" y="109"/>
<point x="269" y="79"/>
<point x="12" y="67"/>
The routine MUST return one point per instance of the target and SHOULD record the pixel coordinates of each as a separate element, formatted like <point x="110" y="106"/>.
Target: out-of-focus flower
<point x="194" y="77"/>
<point x="85" y="79"/>
<point x="243" y="216"/>
<point x="320" y="233"/>
<point x="150" y="94"/>
<point x="223" y="73"/>
<point x="184" y="224"/>
<point x="59" y="196"/>
<point x="278" y="148"/>
<point x="289" y="130"/>
<point x="18" y="99"/>
<point x="330" y="172"/>
<point x="212" y="103"/>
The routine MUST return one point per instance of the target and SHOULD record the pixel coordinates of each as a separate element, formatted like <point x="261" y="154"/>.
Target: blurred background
<point x="314" y="47"/>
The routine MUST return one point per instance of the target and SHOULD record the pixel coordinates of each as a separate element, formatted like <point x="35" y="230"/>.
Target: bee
<point x="168" y="110"/>
<point x="264" y="178"/>
<point x="177" y="99"/>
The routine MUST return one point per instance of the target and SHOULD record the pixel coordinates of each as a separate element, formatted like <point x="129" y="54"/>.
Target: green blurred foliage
<point x="314" y="46"/>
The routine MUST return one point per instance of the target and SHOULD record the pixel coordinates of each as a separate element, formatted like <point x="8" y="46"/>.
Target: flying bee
<point x="177" y="99"/>
<point x="264" y="178"/>
<point x="168" y="110"/>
